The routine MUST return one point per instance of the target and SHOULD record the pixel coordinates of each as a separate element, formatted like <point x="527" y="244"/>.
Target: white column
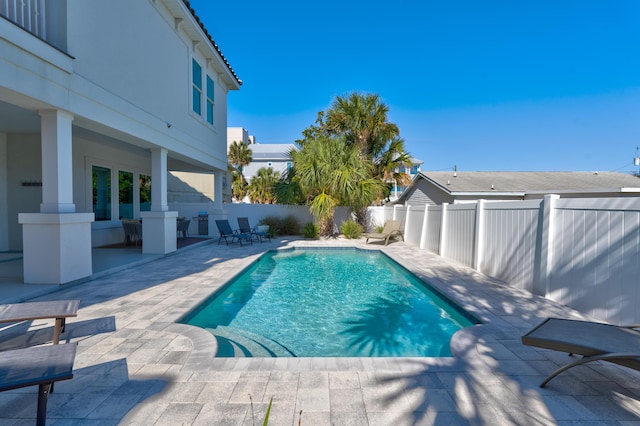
<point x="159" y="180"/>
<point x="159" y="225"/>
<point x="57" y="162"/>
<point x="57" y="241"/>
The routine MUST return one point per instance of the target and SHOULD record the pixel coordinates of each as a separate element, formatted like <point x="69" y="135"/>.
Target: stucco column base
<point x="56" y="247"/>
<point x="218" y="214"/>
<point x="159" y="232"/>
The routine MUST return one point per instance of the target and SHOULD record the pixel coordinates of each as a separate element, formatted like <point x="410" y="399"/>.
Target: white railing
<point x="29" y="14"/>
<point x="584" y="253"/>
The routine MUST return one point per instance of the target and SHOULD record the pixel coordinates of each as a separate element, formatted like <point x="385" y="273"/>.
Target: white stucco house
<point x="99" y="101"/>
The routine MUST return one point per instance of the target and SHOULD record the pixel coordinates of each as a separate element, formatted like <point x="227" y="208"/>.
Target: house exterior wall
<point x="23" y="150"/>
<point x="424" y="193"/>
<point x="278" y="165"/>
<point x="4" y="198"/>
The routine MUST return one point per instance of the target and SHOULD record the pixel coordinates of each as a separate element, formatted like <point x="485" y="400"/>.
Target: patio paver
<point x="135" y="365"/>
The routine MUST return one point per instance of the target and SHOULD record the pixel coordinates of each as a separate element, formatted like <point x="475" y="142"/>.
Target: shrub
<point x="288" y="225"/>
<point x="351" y="229"/>
<point x="311" y="230"/>
<point x="379" y="229"/>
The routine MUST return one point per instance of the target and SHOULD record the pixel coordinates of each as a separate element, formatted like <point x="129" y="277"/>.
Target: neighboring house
<point x="411" y="170"/>
<point x="239" y="134"/>
<point x="274" y="155"/>
<point x="436" y="188"/>
<point x="99" y="101"/>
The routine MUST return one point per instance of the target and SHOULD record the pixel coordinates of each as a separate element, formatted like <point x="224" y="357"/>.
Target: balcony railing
<point x="28" y="14"/>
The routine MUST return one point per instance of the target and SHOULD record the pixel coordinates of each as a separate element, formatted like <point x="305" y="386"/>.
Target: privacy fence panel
<point x="460" y="233"/>
<point x="596" y="258"/>
<point x="413" y="225"/>
<point x="509" y="238"/>
<point x="434" y="221"/>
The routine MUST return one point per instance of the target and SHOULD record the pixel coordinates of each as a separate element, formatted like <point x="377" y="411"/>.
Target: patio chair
<point x="592" y="340"/>
<point x="245" y="228"/>
<point x="182" y="227"/>
<point x="224" y="228"/>
<point x="391" y="229"/>
<point x="132" y="231"/>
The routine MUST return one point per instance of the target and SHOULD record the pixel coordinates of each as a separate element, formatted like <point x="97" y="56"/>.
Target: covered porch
<point x="104" y="261"/>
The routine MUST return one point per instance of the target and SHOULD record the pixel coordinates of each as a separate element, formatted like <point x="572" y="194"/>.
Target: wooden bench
<point x="58" y="309"/>
<point x="37" y="365"/>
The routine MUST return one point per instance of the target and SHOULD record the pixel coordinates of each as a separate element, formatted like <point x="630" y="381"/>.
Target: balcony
<point x="27" y="14"/>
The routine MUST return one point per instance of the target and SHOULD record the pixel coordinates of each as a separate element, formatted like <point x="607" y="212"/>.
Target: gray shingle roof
<point x="271" y="150"/>
<point x="533" y="182"/>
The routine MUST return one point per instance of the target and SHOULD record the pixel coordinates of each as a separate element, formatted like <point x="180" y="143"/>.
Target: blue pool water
<point x="329" y="303"/>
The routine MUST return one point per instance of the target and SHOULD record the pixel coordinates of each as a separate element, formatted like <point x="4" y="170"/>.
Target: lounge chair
<point x="592" y="340"/>
<point x="391" y="229"/>
<point x="37" y="365"/>
<point x="224" y="228"/>
<point x="245" y="228"/>
<point x="58" y="309"/>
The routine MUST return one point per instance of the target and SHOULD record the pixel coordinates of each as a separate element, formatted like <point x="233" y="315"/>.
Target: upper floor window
<point x="414" y="170"/>
<point x="209" y="100"/>
<point x="196" y="77"/>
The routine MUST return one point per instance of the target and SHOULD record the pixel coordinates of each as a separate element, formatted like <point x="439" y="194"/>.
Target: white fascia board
<point x="33" y="45"/>
<point x="489" y="193"/>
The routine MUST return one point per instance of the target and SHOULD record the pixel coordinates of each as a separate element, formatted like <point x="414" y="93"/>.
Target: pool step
<point x="233" y="342"/>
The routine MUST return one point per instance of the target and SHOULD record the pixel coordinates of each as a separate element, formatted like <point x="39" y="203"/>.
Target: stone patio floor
<point x="136" y="365"/>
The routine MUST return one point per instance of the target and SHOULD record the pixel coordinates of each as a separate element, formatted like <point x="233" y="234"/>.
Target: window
<point x="414" y="170"/>
<point x="209" y="100"/>
<point x="125" y="195"/>
<point x="288" y="165"/>
<point x="145" y="193"/>
<point x="196" y="76"/>
<point x="101" y="182"/>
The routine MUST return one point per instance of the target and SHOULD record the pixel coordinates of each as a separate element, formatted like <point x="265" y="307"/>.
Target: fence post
<point x="406" y="223"/>
<point x="479" y="235"/>
<point x="425" y="224"/>
<point x="443" y="230"/>
<point x="544" y="250"/>
<point x="395" y="208"/>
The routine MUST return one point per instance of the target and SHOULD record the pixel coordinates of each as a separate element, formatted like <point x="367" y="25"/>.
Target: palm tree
<point x="239" y="157"/>
<point x="261" y="189"/>
<point x="329" y="172"/>
<point x="362" y="119"/>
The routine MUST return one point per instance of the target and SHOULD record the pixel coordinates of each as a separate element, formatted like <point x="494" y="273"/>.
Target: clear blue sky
<point x="484" y="85"/>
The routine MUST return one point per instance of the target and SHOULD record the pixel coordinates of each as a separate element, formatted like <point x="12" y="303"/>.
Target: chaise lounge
<point x="245" y="228"/>
<point x="224" y="228"/>
<point x="391" y="229"/>
<point x="28" y="311"/>
<point x="592" y="340"/>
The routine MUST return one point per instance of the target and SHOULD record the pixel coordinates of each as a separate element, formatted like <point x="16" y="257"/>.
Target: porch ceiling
<point x="15" y="119"/>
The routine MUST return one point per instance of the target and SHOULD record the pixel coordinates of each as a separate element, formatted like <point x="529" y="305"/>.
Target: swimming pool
<point x="329" y="303"/>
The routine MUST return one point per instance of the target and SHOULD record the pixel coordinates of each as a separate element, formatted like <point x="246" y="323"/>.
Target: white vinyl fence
<point x="584" y="253"/>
